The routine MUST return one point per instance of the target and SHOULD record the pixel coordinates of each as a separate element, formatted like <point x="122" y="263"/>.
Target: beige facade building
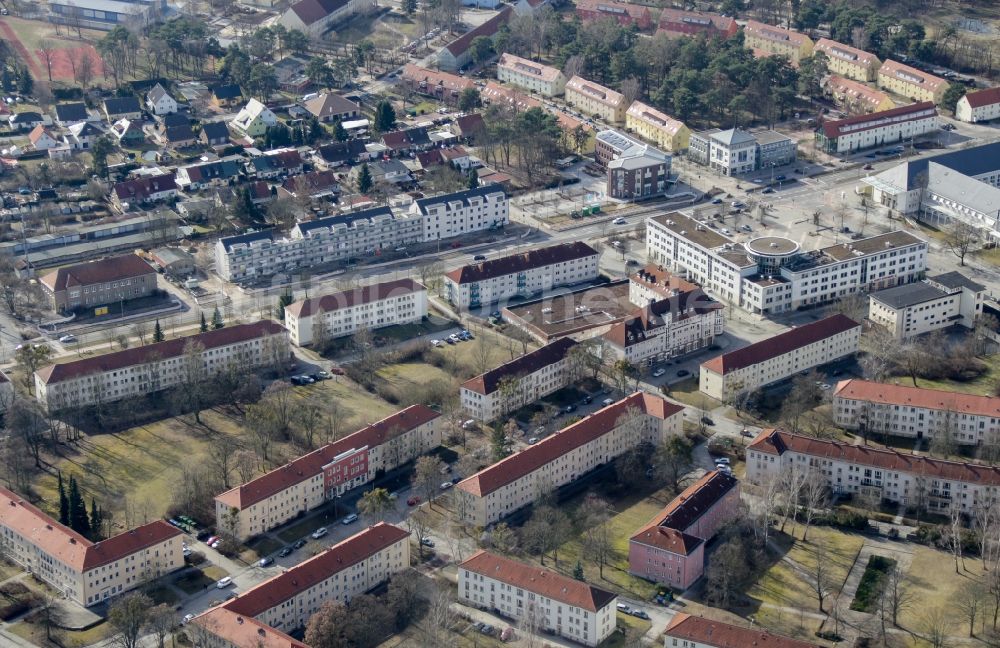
<point x="593" y="99"/>
<point x="521" y="381"/>
<point x="83" y="571"/>
<point x="848" y="61"/>
<point x="782" y="356"/>
<point x="856" y="97"/>
<point x="534" y="77"/>
<point x="658" y="127"/>
<point x="515" y="482"/>
<point x="99" y="283"/>
<point x="313" y="479"/>
<point x="265" y="614"/>
<point x="768" y="40"/>
<point x="541" y="597"/>
<point x="910" y="82"/>
<point x="369" y="307"/>
<point x="152" y="368"/>
<point x="930" y="305"/>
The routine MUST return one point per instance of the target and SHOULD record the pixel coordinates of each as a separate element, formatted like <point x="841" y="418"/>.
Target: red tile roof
<point x="128" y="542"/>
<point x="142" y="188"/>
<point x="349" y="298"/>
<point x="833" y="49"/>
<point x="780" y="344"/>
<point x="637" y="326"/>
<point x="935" y="399"/>
<point x="774" y="33"/>
<point x="309" y="465"/>
<point x="725" y="635"/>
<point x="836" y="127"/>
<point x="981" y="98"/>
<point x="244" y="632"/>
<point x="458" y="46"/>
<point x="566" y="440"/>
<point x="520" y="262"/>
<point x="912" y="75"/>
<point x="698" y="498"/>
<point x="353" y="550"/>
<point x="667" y="539"/>
<point x="160" y="350"/>
<point x="431" y="79"/>
<point x="528" y="363"/>
<point x="539" y="580"/>
<point x="126" y="266"/>
<point x="690" y="23"/>
<point x="777" y="442"/>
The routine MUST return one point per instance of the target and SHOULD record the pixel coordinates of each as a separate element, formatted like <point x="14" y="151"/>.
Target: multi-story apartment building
<point x="624" y="13"/>
<point x="677" y="22"/>
<point x="523" y="380"/>
<point x="911" y="83"/>
<point x="639" y="177"/>
<point x="522" y="274"/>
<point x="912" y="481"/>
<point x="433" y="83"/>
<point x="916" y="413"/>
<point x="462" y="212"/>
<point x="877" y="129"/>
<point x="535" y="77"/>
<point x="979" y="106"/>
<point x="670" y="548"/>
<point x="669" y="327"/>
<point x="515" y="482"/>
<point x="313" y="479"/>
<point x="848" y="61"/>
<point x="770" y="274"/>
<point x="113" y="280"/>
<point x="768" y="40"/>
<point x="543" y="598"/>
<point x="686" y="631"/>
<point x="769" y="361"/>
<point x="403" y="301"/>
<point x="932" y="304"/>
<point x="148" y="369"/>
<point x="736" y="151"/>
<point x="658" y="127"/>
<point x="263" y="615"/>
<point x="458" y="53"/>
<point x="856" y="97"/>
<point x="85" y="572"/>
<point x="594" y="99"/>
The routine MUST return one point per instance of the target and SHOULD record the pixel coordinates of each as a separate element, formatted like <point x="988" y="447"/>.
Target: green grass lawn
<point x="264" y="546"/>
<point x="423" y="108"/>
<point x="982" y="386"/>
<point x="35" y="634"/>
<point x="162" y="594"/>
<point x="200" y="579"/>
<point x="686" y="391"/>
<point x="632" y="625"/>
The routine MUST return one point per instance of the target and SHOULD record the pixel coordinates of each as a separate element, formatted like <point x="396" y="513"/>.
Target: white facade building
<point x="534" y="77"/>
<point x="403" y="301"/>
<point x="152" y="368"/>
<point x="935" y="303"/>
<point x="159" y="101"/>
<point x="687" y="631"/>
<point x="523" y="274"/>
<point x="902" y="124"/>
<point x="979" y="106"/>
<point x="462" y="212"/>
<point x="769" y="361"/>
<point x="541" y="597"/>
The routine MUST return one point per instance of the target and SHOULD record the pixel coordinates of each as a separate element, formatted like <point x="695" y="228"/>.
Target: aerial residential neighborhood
<point x="605" y="323"/>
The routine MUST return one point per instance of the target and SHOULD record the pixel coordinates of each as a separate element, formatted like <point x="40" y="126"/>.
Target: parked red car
<point x="413" y="501"/>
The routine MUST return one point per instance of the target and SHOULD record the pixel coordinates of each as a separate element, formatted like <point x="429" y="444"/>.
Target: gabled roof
<point x="277" y="160"/>
<point x="540" y="580"/>
<point x="227" y="92"/>
<point x="521" y="262"/>
<point x="25" y="117"/>
<point x="595" y="91"/>
<point x="780" y="344"/>
<point x="932" y="399"/>
<point x="650" y="115"/>
<point x="312" y="183"/>
<point x="122" y="105"/>
<point x="126" y="266"/>
<point x="855" y="90"/>
<point x="182" y="133"/>
<point x="341" y="151"/>
<point x="457" y="196"/>
<point x="435" y="79"/>
<point x="470" y="124"/>
<point x="528" y="67"/>
<point x="157" y="93"/>
<point x="38" y="132"/>
<point x="677" y="21"/>
<point x="647" y="319"/>
<point x="836" y="50"/>
<point x="912" y="76"/>
<point x="458" y="46"/>
<point x="243" y="632"/>
<point x="724" y="635"/>
<point x="249" y="238"/>
<point x="667" y="539"/>
<point x="523" y="365"/>
<point x="71" y="112"/>
<point x="833" y="128"/>
<point x="349" y="298"/>
<point x="215" y="130"/>
<point x="402" y="139"/>
<point x="980" y="98"/>
<point x="693" y="502"/>
<point x="312" y="11"/>
<point x="84" y="129"/>
<point x="145" y="186"/>
<point x="956" y="279"/>
<point x="203" y="171"/>
<point x="328" y="104"/>
<point x="367" y="216"/>
<point x="773" y="33"/>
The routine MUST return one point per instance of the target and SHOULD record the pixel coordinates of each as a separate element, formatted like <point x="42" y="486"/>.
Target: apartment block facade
<point x="844" y="136"/>
<point x="673" y="326"/>
<point x="540" y="597"/>
<point x="534" y="77"/>
<point x="515" y="482"/>
<point x="462" y="212"/>
<point x="910" y="82"/>
<point x="979" y="106"/>
<point x="86" y="572"/>
<point x="523" y="274"/>
<point x="313" y="479"/>
<point x="930" y="305"/>
<point x="284" y="603"/>
<point x="856" y="97"/>
<point x="912" y="481"/>
<point x="848" y="61"/>
<point x="916" y="413"/>
<point x="782" y="356"/>
<point x="687" y="631"/>
<point x="113" y="280"/>
<point x="768" y="40"/>
<point x="144" y="370"/>
<point x="657" y="127"/>
<point x="320" y="319"/>
<point x="735" y="151"/>
<point x="594" y="99"/>
<point x="521" y="381"/>
<point x="670" y="548"/>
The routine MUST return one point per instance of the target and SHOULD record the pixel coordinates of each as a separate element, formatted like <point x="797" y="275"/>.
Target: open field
<point x="35" y="633"/>
<point x="935" y="584"/>
<point x="27" y="37"/>
<point x="687" y="392"/>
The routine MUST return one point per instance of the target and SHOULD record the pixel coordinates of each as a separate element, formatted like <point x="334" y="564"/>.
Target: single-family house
<point x="41" y="139"/>
<point x="128" y="132"/>
<point x="214" y="133"/>
<point x="71" y="113"/>
<point x="277" y="163"/>
<point x="227" y="96"/>
<point x="405" y="141"/>
<point x="143" y="190"/>
<point x="27" y="120"/>
<point x="315" y="184"/>
<point x="159" y="101"/>
<point x="260" y="192"/>
<point x="116" y="108"/>
<point x="82" y="135"/>
<point x="337" y="153"/>
<point x="208" y="174"/>
<point x="254" y="119"/>
<point x="329" y="107"/>
<point x="180" y="136"/>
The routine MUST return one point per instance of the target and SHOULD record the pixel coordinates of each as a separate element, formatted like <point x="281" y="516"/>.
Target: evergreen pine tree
<point x="78" y="519"/>
<point x="63" y="503"/>
<point x="25" y="84"/>
<point x="157" y="332"/>
<point x="338" y="131"/>
<point x="578" y="571"/>
<point x="385" y="117"/>
<point x="365" y="179"/>
<point x="203" y="327"/>
<point x="473" y="178"/>
<point x="95" y="520"/>
<point x="283" y="301"/>
<point x="217" y="322"/>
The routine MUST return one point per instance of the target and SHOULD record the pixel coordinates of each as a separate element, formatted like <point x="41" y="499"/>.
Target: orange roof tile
<point x="935" y="399"/>
<point x="725" y="635"/>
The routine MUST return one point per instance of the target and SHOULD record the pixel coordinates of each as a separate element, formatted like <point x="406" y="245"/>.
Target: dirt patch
<point x="22" y="52"/>
<point x="64" y="59"/>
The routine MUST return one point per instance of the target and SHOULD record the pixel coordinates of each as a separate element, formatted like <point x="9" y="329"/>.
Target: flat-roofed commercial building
<point x="144" y="370"/>
<point x="313" y="479"/>
<point x="85" y="572"/>
<point x="524" y="274"/>
<point x="932" y="304"/>
<point x="594" y="99"/>
<point x="670" y="548"/>
<point x="657" y="126"/>
<point x="912" y="481"/>
<point x="523" y="380"/>
<point x="877" y="129"/>
<point x="320" y="319"/>
<point x="535" y="77"/>
<point x="515" y="482"/>
<point x="686" y="631"/>
<point x="768" y="40"/>
<point x="848" y="61"/>
<point x="539" y="596"/>
<point x="782" y="356"/>
<point x="910" y="82"/>
<point x="916" y="413"/>
<point x="284" y="603"/>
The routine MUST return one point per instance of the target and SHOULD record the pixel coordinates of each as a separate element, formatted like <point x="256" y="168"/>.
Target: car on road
<point x="779" y="178"/>
<point x="640" y="614"/>
<point x="446" y="485"/>
<point x="707" y="421"/>
<point x="618" y="221"/>
<point x="659" y="372"/>
<point x="532" y="440"/>
<point x="608" y="401"/>
<point x="624" y="608"/>
<point x="301" y="542"/>
<point x="287" y="551"/>
<point x="350" y="519"/>
<point x="187" y="619"/>
<point x="716" y="201"/>
<point x="868" y="167"/>
<point x="683" y="372"/>
<point x="224" y="582"/>
<point x="767" y="190"/>
<point x="67" y="339"/>
<point x="264" y="562"/>
<point x="479" y="257"/>
<point x="320" y="532"/>
<point x="412" y="501"/>
<point x="427" y="542"/>
<point x="737" y="204"/>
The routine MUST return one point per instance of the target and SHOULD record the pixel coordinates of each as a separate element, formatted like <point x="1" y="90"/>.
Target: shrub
<point x="872" y="582"/>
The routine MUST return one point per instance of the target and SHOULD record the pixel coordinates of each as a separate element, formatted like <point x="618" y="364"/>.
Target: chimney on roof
<point x="239" y="620"/>
<point x="261" y="632"/>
